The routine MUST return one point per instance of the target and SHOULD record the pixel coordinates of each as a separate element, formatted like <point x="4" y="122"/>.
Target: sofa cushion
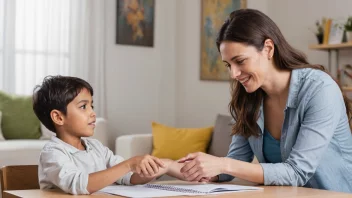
<point x="17" y="145"/>
<point x="175" y="143"/>
<point x="18" y="118"/>
<point x="1" y="136"/>
<point x="20" y="152"/>
<point x="221" y="138"/>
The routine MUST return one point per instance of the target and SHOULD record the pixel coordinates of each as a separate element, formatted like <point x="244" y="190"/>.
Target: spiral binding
<point x="173" y="188"/>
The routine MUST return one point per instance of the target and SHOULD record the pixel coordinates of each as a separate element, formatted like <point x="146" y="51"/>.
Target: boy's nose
<point x="93" y="114"/>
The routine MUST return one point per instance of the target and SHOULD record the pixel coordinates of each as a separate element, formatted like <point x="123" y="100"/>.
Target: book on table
<point x="163" y="190"/>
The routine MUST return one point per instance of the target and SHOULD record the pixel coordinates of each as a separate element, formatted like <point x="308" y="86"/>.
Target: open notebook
<point x="201" y="189"/>
<point x="162" y="190"/>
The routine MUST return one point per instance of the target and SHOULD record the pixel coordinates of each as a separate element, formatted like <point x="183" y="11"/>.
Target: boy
<point x="74" y="163"/>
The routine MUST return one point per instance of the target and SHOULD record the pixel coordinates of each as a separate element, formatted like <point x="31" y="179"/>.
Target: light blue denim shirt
<point x="316" y="141"/>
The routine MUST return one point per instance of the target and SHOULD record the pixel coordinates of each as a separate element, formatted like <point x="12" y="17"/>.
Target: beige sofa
<point x="140" y="144"/>
<point x="19" y="152"/>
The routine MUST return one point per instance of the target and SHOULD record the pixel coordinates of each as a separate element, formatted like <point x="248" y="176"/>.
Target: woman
<point x="291" y="115"/>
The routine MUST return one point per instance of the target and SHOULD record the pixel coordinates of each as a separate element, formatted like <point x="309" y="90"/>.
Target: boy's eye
<point x="83" y="107"/>
<point x="92" y="107"/>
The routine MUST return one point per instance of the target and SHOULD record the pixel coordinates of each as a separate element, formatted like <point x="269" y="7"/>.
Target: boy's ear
<point x="57" y="117"/>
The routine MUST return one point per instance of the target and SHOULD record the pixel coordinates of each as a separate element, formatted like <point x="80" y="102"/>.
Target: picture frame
<point x="135" y="22"/>
<point x="213" y="15"/>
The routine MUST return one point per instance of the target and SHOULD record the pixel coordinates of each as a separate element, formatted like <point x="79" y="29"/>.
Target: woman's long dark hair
<point x="253" y="27"/>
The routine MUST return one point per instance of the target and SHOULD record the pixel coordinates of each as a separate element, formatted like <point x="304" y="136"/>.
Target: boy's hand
<point x="146" y="165"/>
<point x="167" y="163"/>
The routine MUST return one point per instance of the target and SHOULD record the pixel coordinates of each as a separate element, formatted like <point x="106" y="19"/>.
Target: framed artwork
<point x="214" y="13"/>
<point x="135" y="22"/>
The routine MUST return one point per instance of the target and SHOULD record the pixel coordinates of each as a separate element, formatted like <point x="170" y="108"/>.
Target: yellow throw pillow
<point x="174" y="143"/>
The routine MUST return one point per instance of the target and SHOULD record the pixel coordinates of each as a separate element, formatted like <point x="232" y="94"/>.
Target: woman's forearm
<point x="174" y="170"/>
<point x="244" y="170"/>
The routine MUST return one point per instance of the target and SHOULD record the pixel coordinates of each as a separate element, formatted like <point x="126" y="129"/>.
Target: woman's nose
<point x="235" y="72"/>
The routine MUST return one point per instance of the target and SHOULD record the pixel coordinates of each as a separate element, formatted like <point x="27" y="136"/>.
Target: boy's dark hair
<point x="56" y="92"/>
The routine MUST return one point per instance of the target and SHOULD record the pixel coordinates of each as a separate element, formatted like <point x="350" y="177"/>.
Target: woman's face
<point x="246" y="65"/>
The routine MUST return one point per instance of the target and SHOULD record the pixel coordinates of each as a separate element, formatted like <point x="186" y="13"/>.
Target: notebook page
<point x="202" y="188"/>
<point x="140" y="191"/>
<point x="159" y="190"/>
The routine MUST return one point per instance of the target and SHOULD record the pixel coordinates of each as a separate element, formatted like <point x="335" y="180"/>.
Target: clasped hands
<point x="195" y="167"/>
<point x="201" y="167"/>
<point x="148" y="166"/>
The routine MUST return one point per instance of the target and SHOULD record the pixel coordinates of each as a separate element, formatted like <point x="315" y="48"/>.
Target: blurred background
<point x="138" y="81"/>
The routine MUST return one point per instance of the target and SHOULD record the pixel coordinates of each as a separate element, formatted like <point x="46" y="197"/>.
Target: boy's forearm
<point x="101" y="179"/>
<point x="137" y="179"/>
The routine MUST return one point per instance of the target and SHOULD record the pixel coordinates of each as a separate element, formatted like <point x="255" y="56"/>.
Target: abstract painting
<point x="214" y="13"/>
<point x="135" y="22"/>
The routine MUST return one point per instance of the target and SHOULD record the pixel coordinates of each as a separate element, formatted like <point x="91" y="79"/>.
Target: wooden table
<point x="268" y="192"/>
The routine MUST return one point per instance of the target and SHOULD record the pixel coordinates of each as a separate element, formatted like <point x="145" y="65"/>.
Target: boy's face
<point x="80" y="117"/>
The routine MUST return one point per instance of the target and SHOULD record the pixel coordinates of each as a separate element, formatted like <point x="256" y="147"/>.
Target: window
<point x="34" y="43"/>
<point x="2" y="10"/>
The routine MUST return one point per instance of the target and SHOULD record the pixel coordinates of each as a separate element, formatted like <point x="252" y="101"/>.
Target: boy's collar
<point x="71" y="148"/>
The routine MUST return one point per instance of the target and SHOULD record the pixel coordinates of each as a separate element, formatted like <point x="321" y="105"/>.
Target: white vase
<point x="349" y="36"/>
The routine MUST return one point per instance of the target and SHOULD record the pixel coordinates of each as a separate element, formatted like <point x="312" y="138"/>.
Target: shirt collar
<point x="71" y="148"/>
<point x="296" y="77"/>
<point x="292" y="99"/>
<point x="260" y="120"/>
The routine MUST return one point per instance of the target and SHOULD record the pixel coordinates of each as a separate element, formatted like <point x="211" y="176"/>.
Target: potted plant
<point x="348" y="29"/>
<point x="319" y="30"/>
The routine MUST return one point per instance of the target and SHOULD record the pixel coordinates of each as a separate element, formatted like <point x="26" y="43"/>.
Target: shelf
<point x="347" y="88"/>
<point x="331" y="46"/>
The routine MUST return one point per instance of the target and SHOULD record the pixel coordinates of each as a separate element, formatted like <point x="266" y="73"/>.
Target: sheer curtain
<point x="51" y="37"/>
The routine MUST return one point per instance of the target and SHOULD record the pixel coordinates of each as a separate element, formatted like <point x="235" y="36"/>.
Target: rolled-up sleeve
<point x="112" y="160"/>
<point x="126" y="179"/>
<point x="239" y="150"/>
<point x="323" y="111"/>
<point x="56" y="168"/>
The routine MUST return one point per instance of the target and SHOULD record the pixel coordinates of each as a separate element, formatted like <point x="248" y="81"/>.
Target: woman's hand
<point x="209" y="179"/>
<point x="146" y="165"/>
<point x="201" y="167"/>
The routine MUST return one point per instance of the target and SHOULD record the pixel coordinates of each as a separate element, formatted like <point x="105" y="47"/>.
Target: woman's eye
<point x="92" y="107"/>
<point x="83" y="107"/>
<point x="240" y="62"/>
<point x="228" y="66"/>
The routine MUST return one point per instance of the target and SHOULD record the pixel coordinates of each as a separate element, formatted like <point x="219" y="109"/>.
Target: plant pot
<point x="320" y="38"/>
<point x="349" y="36"/>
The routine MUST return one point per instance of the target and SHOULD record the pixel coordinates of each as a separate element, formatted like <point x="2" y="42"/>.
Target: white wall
<point x="198" y="102"/>
<point x="140" y="80"/>
<point x="162" y="83"/>
<point x="296" y="17"/>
